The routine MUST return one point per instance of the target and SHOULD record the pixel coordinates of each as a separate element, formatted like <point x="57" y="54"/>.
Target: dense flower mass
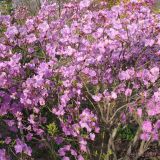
<point x="74" y="79"/>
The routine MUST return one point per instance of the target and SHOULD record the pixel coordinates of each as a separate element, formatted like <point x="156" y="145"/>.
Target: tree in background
<point x="32" y="5"/>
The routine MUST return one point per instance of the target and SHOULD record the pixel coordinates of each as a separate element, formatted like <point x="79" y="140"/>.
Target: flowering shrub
<point x="81" y="82"/>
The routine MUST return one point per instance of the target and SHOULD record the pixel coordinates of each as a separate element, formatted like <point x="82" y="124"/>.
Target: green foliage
<point x="1" y="142"/>
<point x="127" y="132"/>
<point x="107" y="155"/>
<point x="52" y="129"/>
<point x="6" y="6"/>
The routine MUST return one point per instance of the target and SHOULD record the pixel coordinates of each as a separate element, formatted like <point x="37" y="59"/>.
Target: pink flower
<point x="155" y="74"/>
<point x="80" y="157"/>
<point x="97" y="98"/>
<point x="123" y="117"/>
<point x="31" y="38"/>
<point x="59" y="140"/>
<point x="145" y="136"/>
<point x="128" y="92"/>
<point x="124" y="75"/>
<point x="83" y="145"/>
<point x="155" y="71"/>
<point x="157" y="124"/>
<point x="61" y="152"/>
<point x="149" y="42"/>
<point x="22" y="147"/>
<point x="84" y="4"/>
<point x="3" y="155"/>
<point x="11" y="31"/>
<point x="155" y="136"/>
<point x="43" y="27"/>
<point x="92" y="136"/>
<point x="147" y="126"/>
<point x="87" y="28"/>
<point x="65" y="158"/>
<point x="8" y="140"/>
<point x="18" y="148"/>
<point x="73" y="152"/>
<point x="139" y="112"/>
<point x="134" y="1"/>
<point x="83" y="148"/>
<point x="114" y="95"/>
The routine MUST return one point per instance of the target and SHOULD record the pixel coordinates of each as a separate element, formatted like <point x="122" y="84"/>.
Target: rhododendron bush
<point x="80" y="82"/>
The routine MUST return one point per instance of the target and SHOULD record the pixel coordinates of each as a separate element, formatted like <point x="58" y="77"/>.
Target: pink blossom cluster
<point x="85" y="67"/>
